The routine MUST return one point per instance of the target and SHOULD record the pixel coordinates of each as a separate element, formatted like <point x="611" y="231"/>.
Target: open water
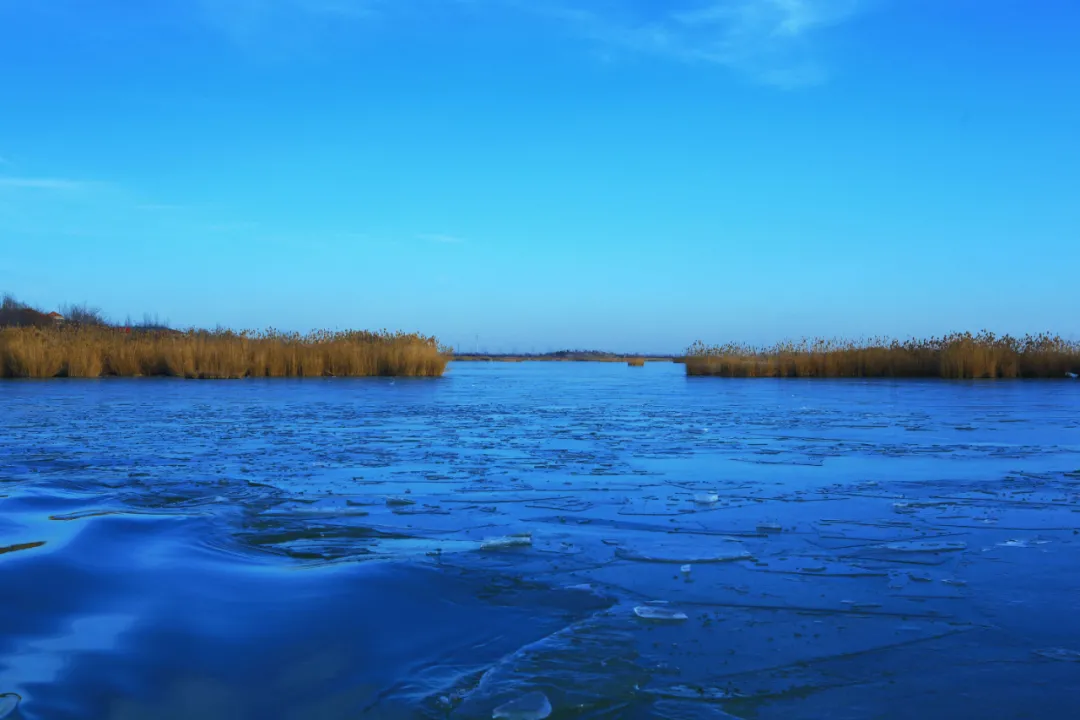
<point x="628" y="542"/>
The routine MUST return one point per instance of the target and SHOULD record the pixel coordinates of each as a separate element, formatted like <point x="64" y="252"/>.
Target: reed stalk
<point x="955" y="356"/>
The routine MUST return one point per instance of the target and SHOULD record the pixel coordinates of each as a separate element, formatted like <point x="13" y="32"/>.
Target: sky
<point x="532" y="175"/>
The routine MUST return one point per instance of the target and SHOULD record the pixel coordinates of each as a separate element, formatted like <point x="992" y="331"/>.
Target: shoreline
<point x="551" y="357"/>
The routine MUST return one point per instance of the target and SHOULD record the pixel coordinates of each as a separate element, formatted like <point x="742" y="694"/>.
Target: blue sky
<point x="553" y="173"/>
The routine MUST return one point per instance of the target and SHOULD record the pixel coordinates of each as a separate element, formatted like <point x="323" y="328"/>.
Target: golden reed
<point x="956" y="356"/>
<point x="97" y="351"/>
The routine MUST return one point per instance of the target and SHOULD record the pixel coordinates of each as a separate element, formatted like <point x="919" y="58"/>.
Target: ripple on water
<point x="317" y="549"/>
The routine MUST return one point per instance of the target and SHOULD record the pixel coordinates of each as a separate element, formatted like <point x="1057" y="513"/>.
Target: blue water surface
<point x="433" y="548"/>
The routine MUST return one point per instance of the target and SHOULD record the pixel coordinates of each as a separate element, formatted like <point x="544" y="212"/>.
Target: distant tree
<point x="9" y="304"/>
<point x="83" y="314"/>
<point x="153" y="322"/>
<point x="18" y="314"/>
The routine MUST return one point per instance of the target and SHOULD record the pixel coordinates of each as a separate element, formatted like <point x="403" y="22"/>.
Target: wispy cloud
<point x="60" y="206"/>
<point x="440" y="238"/>
<point x="33" y="183"/>
<point x="770" y="41"/>
<point x="776" y="42"/>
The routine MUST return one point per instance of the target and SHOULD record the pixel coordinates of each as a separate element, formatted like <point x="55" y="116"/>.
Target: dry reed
<point x="636" y="362"/>
<point x="34" y="352"/>
<point x="956" y="356"/>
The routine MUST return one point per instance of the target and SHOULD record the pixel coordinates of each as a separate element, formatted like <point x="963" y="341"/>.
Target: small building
<point x="56" y="317"/>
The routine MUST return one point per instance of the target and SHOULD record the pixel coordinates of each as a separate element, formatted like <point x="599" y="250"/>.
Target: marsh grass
<point x="636" y="362"/>
<point x="97" y="351"/>
<point x="956" y="356"/>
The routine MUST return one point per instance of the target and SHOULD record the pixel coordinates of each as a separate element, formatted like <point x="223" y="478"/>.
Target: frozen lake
<point x="629" y="542"/>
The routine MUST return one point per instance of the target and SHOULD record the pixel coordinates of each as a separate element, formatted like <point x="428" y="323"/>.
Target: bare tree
<point x="83" y="314"/>
<point x="9" y="304"/>
<point x="18" y="314"/>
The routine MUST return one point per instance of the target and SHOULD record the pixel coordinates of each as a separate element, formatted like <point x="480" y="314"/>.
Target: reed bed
<point x="97" y="351"/>
<point x="956" y="356"/>
<point x="636" y="362"/>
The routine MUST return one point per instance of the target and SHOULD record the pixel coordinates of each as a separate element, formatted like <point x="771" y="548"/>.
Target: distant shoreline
<point x="563" y="357"/>
<point x="81" y="343"/>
